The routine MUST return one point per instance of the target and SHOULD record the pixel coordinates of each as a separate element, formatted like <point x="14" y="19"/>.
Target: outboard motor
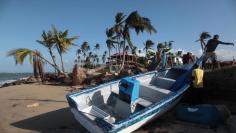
<point x="129" y="91"/>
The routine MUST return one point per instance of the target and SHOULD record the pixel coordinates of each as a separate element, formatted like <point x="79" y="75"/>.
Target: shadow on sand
<point x="40" y="100"/>
<point x="60" y="120"/>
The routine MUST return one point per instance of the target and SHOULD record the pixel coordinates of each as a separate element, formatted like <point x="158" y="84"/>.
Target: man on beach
<point x="210" y="49"/>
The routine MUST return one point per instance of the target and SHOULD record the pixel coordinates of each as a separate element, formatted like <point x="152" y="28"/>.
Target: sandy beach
<point x="53" y="115"/>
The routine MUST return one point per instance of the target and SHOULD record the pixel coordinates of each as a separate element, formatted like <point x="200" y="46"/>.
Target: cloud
<point x="176" y="50"/>
<point x="222" y="54"/>
<point x="225" y="54"/>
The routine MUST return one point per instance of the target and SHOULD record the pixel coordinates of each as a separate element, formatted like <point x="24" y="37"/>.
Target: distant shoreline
<point x="12" y="77"/>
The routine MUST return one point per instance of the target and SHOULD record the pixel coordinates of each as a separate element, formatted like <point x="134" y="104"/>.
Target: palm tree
<point x="97" y="47"/>
<point x="139" y="24"/>
<point x="78" y="52"/>
<point x="103" y="59"/>
<point x="119" y="20"/>
<point x="105" y="53"/>
<point x="202" y="38"/>
<point x="48" y="42"/>
<point x="133" y="51"/>
<point x="84" y="49"/>
<point x="97" y="59"/>
<point x="110" y="43"/>
<point x="90" y="54"/>
<point x="38" y="66"/>
<point x="160" y="45"/>
<point x="148" y="45"/>
<point x="78" y="59"/>
<point x="35" y="58"/>
<point x="63" y="42"/>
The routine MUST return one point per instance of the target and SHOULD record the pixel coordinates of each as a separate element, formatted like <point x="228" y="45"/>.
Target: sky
<point x="22" y="23"/>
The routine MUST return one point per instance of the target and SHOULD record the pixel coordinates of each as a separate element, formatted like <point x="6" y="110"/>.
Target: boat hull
<point x="91" y="127"/>
<point x="135" y="120"/>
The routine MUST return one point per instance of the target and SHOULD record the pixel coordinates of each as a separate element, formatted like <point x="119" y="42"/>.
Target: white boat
<point x="127" y="104"/>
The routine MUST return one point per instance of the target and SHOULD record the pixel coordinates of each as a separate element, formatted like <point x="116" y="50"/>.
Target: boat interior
<point x="113" y="104"/>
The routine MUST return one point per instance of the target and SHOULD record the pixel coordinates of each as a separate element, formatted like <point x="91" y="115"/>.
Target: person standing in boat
<point x="210" y="49"/>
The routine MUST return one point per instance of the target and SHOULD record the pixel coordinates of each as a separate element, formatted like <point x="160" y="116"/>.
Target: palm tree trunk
<point x="203" y="45"/>
<point x="53" y="58"/>
<point x="146" y="52"/>
<point x="35" y="70"/>
<point x="109" y="59"/>
<point x="119" y="47"/>
<point x="116" y="54"/>
<point x="123" y="61"/>
<point x="62" y="63"/>
<point x="56" y="67"/>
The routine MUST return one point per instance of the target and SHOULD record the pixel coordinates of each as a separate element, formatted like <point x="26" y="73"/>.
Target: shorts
<point x="210" y="55"/>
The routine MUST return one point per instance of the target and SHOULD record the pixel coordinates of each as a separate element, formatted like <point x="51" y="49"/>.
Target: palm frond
<point x="139" y="23"/>
<point x="119" y="17"/>
<point x="110" y="32"/>
<point x="204" y="35"/>
<point x="20" y="54"/>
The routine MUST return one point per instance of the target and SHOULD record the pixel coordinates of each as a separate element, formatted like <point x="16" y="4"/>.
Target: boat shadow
<point x="60" y="120"/>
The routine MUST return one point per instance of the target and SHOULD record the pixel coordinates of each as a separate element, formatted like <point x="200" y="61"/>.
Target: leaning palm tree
<point x="35" y="58"/>
<point x="139" y="24"/>
<point x="202" y="38"/>
<point x="148" y="45"/>
<point x="48" y="42"/>
<point x="38" y="66"/>
<point x="63" y="42"/>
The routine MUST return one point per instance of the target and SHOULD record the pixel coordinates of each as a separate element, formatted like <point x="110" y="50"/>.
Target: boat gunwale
<point x="98" y="87"/>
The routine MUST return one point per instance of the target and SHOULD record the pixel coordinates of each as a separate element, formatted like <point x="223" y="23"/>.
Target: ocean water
<point x="10" y="77"/>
